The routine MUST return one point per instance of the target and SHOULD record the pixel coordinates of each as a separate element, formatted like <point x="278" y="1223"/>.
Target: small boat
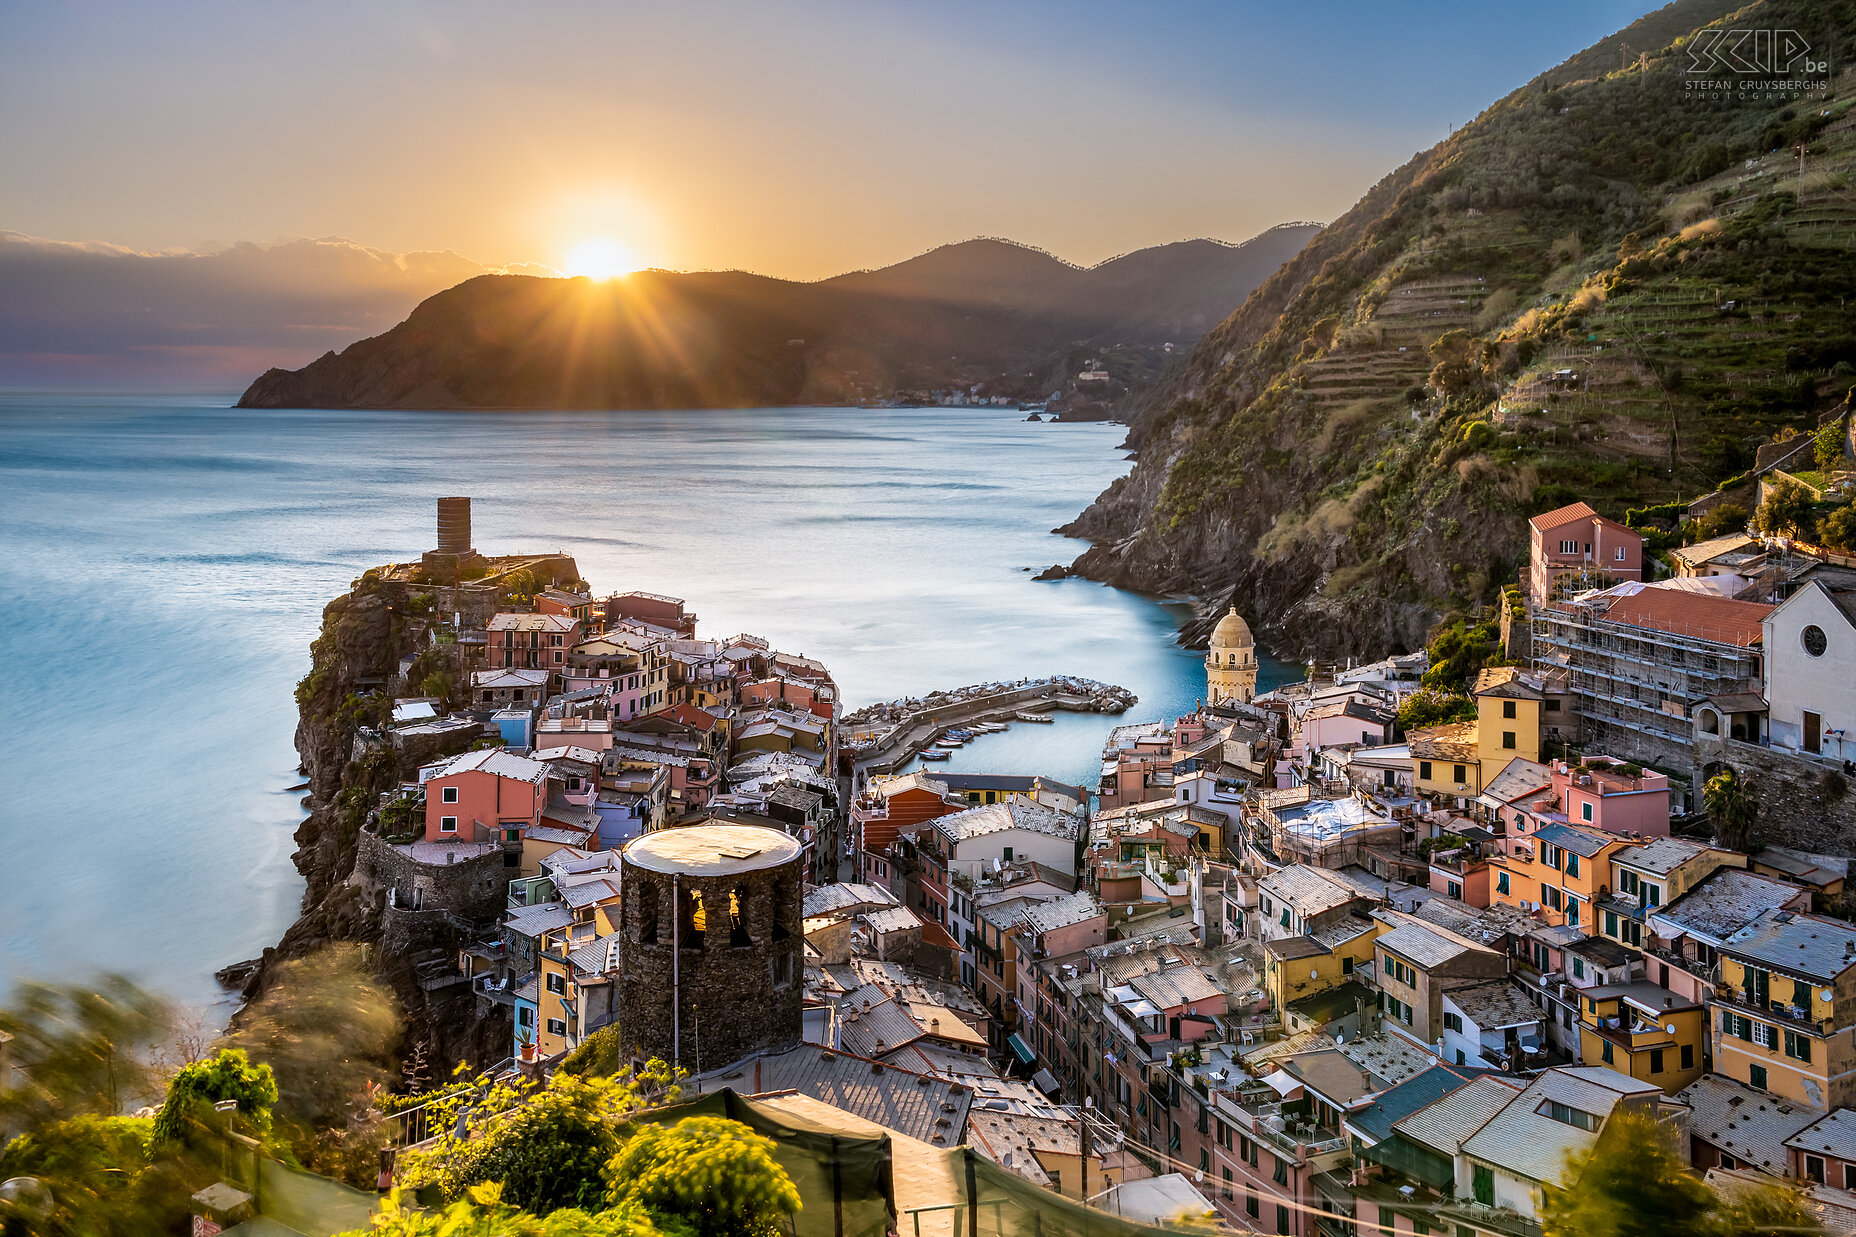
<point x="989" y="727"/>
<point x="948" y="745"/>
<point x="1033" y="717"/>
<point x="932" y="754"/>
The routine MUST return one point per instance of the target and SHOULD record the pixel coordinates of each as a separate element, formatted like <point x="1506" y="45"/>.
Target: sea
<point x="166" y="561"/>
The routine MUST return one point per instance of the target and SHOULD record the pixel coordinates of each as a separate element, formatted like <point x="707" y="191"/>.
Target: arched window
<point x="738" y="917"/>
<point x="694" y="920"/>
<point x="645" y="923"/>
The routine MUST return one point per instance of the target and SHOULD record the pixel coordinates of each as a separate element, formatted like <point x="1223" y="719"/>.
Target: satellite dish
<point x="1315" y="973"/>
<point x="1827" y="995"/>
<point x="1670" y="1027"/>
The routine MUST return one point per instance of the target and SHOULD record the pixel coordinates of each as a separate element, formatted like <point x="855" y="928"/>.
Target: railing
<point x="1781" y="1011"/>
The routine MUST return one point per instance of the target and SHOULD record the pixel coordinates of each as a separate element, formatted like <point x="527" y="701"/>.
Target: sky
<point x="795" y="139"/>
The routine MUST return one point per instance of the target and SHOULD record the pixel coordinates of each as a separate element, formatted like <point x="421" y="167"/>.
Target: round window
<point x="1814" y="641"/>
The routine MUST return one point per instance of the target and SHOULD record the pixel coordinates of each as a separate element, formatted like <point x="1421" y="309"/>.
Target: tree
<point x="717" y="1177"/>
<point x="77" y="1050"/>
<point x="97" y="1177"/>
<point x="227" y="1075"/>
<point x="484" y="1214"/>
<point x="1433" y="706"/>
<point x="1828" y="445"/>
<point x="1631" y="1182"/>
<point x="1838" y="530"/>
<point x="547" y="1147"/>
<point x="1732" y="808"/>
<point x="1458" y="367"/>
<point x="1789" y="511"/>
<point x="1724" y="519"/>
<point x="1458" y="651"/>
<point x="1635" y="1181"/>
<point x="329" y="1030"/>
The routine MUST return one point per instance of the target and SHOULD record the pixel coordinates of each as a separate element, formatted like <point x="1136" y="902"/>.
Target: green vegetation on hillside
<point x="1608" y="289"/>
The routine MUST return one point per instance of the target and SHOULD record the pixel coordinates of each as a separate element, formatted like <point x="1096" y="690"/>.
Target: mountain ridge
<point x="1011" y="318"/>
<point x="1352" y="454"/>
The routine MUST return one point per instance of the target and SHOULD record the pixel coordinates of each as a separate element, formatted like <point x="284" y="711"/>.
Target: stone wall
<point x="1805" y="802"/>
<point x="475" y="888"/>
<point x="708" y="999"/>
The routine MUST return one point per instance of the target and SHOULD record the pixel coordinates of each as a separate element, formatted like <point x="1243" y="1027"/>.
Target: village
<point x="1289" y="962"/>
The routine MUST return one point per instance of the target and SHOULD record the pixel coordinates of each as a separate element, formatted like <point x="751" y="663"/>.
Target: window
<point x="1620" y="554"/>
<point x="1453" y="1022"/>
<point x="1454" y="889"/>
<point x="1797" y="1047"/>
<point x="1280" y="1175"/>
<point x="1585" y="811"/>
<point x="1688" y="1056"/>
<point x="1814" y="1168"/>
<point x="1282" y="1218"/>
<point x="1008" y="854"/>
<point x="1756" y="1076"/>
<point x="556" y="1027"/>
<point x="1424" y="770"/>
<point x="1501" y="883"/>
<point x="1569" y="547"/>
<point x="1849" y="1176"/>
<point x="1572" y="865"/>
<point x="1250" y="1201"/>
<point x="525" y="1016"/>
<point x="1508" y="709"/>
<point x="1607" y="1054"/>
<point x="557" y="982"/>
<point x="1508" y="740"/>
<point x="1567" y="1115"/>
<point x="1247" y="1152"/>
<point x="1458" y="773"/>
<point x="1578" y="968"/>
<point x="1482" y="1183"/>
<point x="1224" y="1135"/>
<point x="1656" y="1060"/>
<point x="1346" y="966"/>
<point x="1572" y="911"/>
<point x="1205" y="1160"/>
<point x="1814" y="640"/>
<point x="1611" y="923"/>
<point x="1225" y="1174"/>
<point x="1553" y="706"/>
<point x="447" y="824"/>
<point x="448" y="795"/>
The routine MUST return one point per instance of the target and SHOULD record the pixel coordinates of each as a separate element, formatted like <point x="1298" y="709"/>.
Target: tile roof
<point x="1531" y="1144"/>
<point x="1833" y="1135"/>
<point x="1702" y="551"/>
<point x="1722" y="903"/>
<point x="1518" y="778"/>
<point x="999" y="817"/>
<point x="1660" y="856"/>
<point x="1813" y="946"/>
<point x="1506" y="681"/>
<point x="495" y="760"/>
<point x="535" y="920"/>
<point x="1749" y="1125"/>
<point x="1423" y="947"/>
<point x="1585" y="842"/>
<point x="885" y="1026"/>
<point x="844" y="899"/>
<point x="1063" y="912"/>
<point x="1450" y="741"/>
<point x="1310" y="890"/>
<point x="1548" y="520"/>
<point x="1698" y="615"/>
<point x="598" y="956"/>
<point x="1407" y="1098"/>
<point x="1332" y="1073"/>
<point x="1496" y="1005"/>
<point x="1176" y="986"/>
<point x="932" y="1110"/>
<point x="1444" y="1124"/>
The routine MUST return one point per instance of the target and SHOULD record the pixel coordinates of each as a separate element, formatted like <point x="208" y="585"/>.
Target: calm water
<point x="166" y="563"/>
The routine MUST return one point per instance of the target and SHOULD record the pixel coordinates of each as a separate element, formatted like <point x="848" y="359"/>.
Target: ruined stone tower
<point x="711" y="961"/>
<point x="454" y="548"/>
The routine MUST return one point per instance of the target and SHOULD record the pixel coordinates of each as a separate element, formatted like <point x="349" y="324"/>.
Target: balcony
<point x="1778" y="1011"/>
<point x="1260" y="1113"/>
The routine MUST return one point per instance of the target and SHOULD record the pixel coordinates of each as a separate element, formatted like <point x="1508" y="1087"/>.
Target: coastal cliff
<point x="1604" y="288"/>
<point x="366" y="635"/>
<point x="1013" y="321"/>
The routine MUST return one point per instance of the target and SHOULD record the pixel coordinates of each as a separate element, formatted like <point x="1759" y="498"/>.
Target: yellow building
<point x="1231" y="662"/>
<point x="1301" y="966"/>
<point x="1458" y="759"/>
<point x="1647" y="877"/>
<point x="1784" y="1008"/>
<point x="1642" y="1030"/>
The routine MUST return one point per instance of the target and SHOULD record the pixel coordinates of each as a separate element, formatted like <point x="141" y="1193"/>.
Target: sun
<point x="601" y="258"/>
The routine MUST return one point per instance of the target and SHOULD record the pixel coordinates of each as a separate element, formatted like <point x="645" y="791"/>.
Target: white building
<point x="1810" y="645"/>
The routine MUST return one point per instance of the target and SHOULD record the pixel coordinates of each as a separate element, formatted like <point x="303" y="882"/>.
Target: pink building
<point x="484" y="796"/>
<point x="1602" y="794"/>
<point x="1577" y="537"/>
<point x="1344" y="721"/>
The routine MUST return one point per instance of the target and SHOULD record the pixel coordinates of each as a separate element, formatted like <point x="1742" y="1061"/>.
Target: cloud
<point x="88" y="313"/>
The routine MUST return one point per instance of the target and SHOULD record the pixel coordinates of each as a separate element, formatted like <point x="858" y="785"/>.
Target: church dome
<point x="1232" y="632"/>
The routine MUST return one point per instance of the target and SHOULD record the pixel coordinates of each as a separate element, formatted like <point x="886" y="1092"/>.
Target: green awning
<point x="1020" y="1049"/>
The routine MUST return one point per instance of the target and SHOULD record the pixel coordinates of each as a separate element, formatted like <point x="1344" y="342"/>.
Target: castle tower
<point x="1231" y="662"/>
<point x="454" y="551"/>
<point x="711" y="964"/>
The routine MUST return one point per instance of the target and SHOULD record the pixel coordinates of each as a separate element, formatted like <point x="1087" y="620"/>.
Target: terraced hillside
<point x="1605" y="288"/>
